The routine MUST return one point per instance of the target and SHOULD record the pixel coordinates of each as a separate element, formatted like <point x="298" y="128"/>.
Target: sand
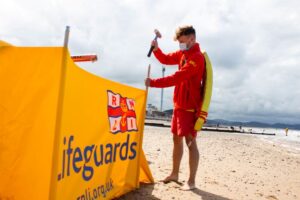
<point x="232" y="166"/>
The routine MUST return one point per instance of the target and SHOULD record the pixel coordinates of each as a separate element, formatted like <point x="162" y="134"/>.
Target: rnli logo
<point x="121" y="113"/>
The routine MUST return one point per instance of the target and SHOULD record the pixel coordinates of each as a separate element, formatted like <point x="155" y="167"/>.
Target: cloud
<point x="253" y="45"/>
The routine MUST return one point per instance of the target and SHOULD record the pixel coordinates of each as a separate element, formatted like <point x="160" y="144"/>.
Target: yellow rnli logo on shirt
<point x="193" y="63"/>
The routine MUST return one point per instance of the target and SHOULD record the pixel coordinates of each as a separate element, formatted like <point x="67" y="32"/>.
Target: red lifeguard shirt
<point x="187" y="80"/>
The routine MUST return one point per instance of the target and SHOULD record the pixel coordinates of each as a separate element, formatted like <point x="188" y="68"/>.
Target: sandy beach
<point x="232" y="166"/>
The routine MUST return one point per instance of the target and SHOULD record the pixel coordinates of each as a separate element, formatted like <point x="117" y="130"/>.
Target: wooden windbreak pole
<point x="57" y="133"/>
<point x="142" y="131"/>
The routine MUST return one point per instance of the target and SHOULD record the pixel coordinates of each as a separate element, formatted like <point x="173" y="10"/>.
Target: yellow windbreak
<point x="99" y="153"/>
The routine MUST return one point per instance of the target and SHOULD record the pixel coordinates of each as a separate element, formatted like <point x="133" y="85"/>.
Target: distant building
<point x="153" y="112"/>
<point x="150" y="109"/>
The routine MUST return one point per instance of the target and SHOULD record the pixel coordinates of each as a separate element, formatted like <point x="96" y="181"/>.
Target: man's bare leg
<point x="177" y="155"/>
<point x="193" y="159"/>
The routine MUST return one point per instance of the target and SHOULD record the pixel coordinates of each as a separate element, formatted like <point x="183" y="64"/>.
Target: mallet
<point x="157" y="35"/>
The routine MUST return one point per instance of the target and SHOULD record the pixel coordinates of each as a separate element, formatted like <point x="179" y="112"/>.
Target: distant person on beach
<point x="286" y="131"/>
<point x="187" y="98"/>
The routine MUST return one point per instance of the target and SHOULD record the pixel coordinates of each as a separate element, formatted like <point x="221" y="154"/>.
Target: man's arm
<point x="167" y="59"/>
<point x="192" y="67"/>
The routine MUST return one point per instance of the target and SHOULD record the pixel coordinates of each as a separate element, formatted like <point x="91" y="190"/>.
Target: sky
<point x="254" y="46"/>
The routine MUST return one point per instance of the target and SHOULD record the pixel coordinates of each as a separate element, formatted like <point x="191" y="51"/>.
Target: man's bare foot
<point x="170" y="179"/>
<point x="188" y="186"/>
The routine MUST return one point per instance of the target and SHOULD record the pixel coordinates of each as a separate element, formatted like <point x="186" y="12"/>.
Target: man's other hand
<point x="147" y="82"/>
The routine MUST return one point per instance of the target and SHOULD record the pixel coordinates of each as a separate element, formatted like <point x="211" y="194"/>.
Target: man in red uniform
<point x="187" y="97"/>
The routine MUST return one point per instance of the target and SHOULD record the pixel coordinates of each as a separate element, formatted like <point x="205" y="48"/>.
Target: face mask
<point x="183" y="46"/>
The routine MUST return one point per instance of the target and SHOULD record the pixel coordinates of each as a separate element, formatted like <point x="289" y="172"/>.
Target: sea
<point x="291" y="141"/>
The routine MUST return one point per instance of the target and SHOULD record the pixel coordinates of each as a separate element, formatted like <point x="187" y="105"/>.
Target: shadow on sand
<point x="145" y="192"/>
<point x="208" y="196"/>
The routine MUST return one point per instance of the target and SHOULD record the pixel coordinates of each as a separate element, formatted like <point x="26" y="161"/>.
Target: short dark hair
<point x="184" y="30"/>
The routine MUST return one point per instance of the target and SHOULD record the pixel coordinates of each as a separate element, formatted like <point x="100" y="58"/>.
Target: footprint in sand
<point x="213" y="182"/>
<point x="272" y="197"/>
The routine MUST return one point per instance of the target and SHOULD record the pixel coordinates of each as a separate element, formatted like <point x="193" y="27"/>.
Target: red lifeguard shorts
<point x="183" y="123"/>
